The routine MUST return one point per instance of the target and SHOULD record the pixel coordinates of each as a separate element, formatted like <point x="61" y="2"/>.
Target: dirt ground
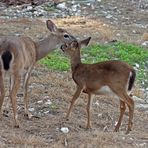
<point x="43" y="130"/>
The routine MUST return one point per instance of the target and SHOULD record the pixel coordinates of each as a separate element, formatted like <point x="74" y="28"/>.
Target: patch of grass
<point x="56" y="61"/>
<point x="132" y="54"/>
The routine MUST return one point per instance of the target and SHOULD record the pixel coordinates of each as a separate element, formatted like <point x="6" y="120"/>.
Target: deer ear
<point x="85" y="41"/>
<point x="51" y="26"/>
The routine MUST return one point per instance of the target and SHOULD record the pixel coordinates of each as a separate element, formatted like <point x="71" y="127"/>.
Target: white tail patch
<point x="130" y="74"/>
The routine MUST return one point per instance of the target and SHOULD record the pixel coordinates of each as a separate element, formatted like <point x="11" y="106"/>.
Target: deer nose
<point x="63" y="47"/>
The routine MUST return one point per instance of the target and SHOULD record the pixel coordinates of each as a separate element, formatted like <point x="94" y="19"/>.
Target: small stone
<point x="40" y="102"/>
<point x="46" y="112"/>
<point x="29" y="8"/>
<point x="17" y="34"/>
<point x="137" y="65"/>
<point x="134" y="31"/>
<point x="65" y="130"/>
<point x="118" y="34"/>
<point x="109" y="16"/>
<point x="97" y="103"/>
<point x="48" y="102"/>
<point x="99" y="115"/>
<point x="123" y="138"/>
<point x="115" y="123"/>
<point x="145" y="43"/>
<point x="31" y="109"/>
<point x="61" y="6"/>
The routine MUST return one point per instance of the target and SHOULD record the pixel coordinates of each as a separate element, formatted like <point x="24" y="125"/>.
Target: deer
<point x="113" y="78"/>
<point x="18" y="56"/>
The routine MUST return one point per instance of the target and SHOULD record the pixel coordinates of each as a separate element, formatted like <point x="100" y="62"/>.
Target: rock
<point x="145" y="43"/>
<point x="41" y="101"/>
<point x="65" y="130"/>
<point x="61" y="6"/>
<point x="29" y="8"/>
<point x="97" y="103"/>
<point x="31" y="109"/>
<point x="46" y="112"/>
<point x="137" y="65"/>
<point x="48" y="102"/>
<point x="109" y="16"/>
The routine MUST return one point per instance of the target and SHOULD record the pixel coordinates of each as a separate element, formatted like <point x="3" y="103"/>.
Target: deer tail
<point x="6" y="57"/>
<point x="131" y="79"/>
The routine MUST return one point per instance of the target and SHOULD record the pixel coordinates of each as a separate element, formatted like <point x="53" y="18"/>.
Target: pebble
<point x="145" y="43"/>
<point x="64" y="130"/>
<point x="48" y="102"/>
<point x="31" y="109"/>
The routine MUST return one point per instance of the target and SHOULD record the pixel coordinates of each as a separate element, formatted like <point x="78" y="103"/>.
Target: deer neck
<point x="47" y="45"/>
<point x="75" y="60"/>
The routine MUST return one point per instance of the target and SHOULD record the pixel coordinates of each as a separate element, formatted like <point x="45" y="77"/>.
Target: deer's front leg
<point x="13" y="93"/>
<point x="88" y="112"/>
<point x="76" y="95"/>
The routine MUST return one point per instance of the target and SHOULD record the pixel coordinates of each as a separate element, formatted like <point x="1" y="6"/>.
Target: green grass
<point x="56" y="61"/>
<point x="129" y="53"/>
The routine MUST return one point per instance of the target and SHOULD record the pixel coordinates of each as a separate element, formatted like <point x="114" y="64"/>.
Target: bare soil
<point x="43" y="130"/>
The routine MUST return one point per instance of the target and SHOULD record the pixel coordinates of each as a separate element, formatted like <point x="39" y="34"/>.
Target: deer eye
<point x="66" y="36"/>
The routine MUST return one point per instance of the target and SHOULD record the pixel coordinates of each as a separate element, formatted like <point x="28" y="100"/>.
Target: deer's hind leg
<point x="13" y="92"/>
<point x="122" y="111"/>
<point x="2" y="93"/>
<point x="25" y="88"/>
<point x="130" y="103"/>
<point x="125" y="99"/>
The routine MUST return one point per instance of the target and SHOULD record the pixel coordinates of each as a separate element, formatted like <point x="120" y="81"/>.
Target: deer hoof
<point x="88" y="127"/>
<point x="128" y="131"/>
<point x="116" y="130"/>
<point x="67" y="119"/>
<point x="16" y="126"/>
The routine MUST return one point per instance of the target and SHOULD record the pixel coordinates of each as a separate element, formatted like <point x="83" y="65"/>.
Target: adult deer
<point x="109" y="77"/>
<point x="18" y="56"/>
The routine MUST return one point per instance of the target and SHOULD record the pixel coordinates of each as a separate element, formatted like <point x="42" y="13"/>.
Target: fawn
<point x="18" y="55"/>
<point x="108" y="77"/>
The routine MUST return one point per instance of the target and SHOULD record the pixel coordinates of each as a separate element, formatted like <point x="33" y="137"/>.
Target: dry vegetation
<point x="43" y="130"/>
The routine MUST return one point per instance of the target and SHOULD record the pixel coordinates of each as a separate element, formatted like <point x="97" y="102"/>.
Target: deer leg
<point x="26" y="99"/>
<point x="122" y="110"/>
<point x="130" y="104"/>
<point x="88" y="111"/>
<point x="6" y="110"/>
<point x="13" y="92"/>
<point x="2" y="93"/>
<point x="76" y="95"/>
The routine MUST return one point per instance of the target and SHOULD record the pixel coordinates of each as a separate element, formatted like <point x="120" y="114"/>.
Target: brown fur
<point x="18" y="56"/>
<point x="92" y="77"/>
